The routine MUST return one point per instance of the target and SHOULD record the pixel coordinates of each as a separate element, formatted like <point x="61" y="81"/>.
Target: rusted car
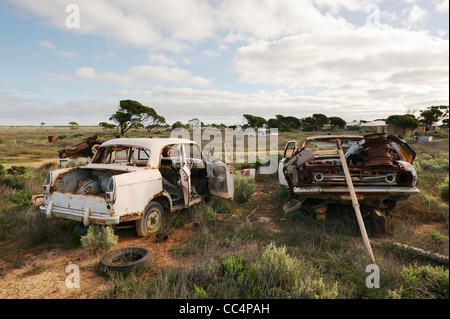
<point x="136" y="180"/>
<point x="80" y="153"/>
<point x="380" y="166"/>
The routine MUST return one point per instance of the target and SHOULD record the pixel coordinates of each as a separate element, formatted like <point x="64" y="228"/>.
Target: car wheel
<point x="151" y="220"/>
<point x="125" y="259"/>
<point x="93" y="147"/>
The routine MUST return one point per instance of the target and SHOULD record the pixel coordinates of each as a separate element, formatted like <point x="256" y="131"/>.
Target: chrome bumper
<point x="86" y="216"/>
<point x="342" y="192"/>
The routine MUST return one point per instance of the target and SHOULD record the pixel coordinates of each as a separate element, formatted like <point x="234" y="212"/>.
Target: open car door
<point x="220" y="179"/>
<point x="185" y="176"/>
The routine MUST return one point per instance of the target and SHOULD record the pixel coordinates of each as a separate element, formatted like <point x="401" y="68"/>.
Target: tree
<point x="403" y="121"/>
<point x="195" y="122"/>
<point x="433" y="114"/>
<point x="321" y="120"/>
<point x="74" y="125"/>
<point x="156" y="121"/>
<point x="178" y="124"/>
<point x="255" y="121"/>
<point x="131" y="114"/>
<point x="106" y="125"/>
<point x="309" y="124"/>
<point x="336" y="122"/>
<point x="284" y="123"/>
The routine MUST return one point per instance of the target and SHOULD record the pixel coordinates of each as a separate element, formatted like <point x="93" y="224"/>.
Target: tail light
<point x="48" y="183"/>
<point x="111" y="192"/>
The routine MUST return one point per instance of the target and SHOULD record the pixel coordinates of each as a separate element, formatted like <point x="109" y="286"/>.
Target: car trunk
<point x="85" y="181"/>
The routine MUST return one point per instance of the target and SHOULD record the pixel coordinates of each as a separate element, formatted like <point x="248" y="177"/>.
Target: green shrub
<point x="443" y="189"/>
<point x="221" y="205"/>
<point x="244" y="187"/>
<point x="179" y="221"/>
<point x="99" y="237"/>
<point x="243" y="232"/>
<point x="234" y="267"/>
<point x="437" y="237"/>
<point x="425" y="282"/>
<point x="282" y="194"/>
<point x="277" y="275"/>
<point x="434" y="164"/>
<point x="210" y="215"/>
<point x="21" y="198"/>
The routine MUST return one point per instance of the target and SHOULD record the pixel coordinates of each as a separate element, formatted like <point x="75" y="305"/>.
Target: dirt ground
<point x="42" y="274"/>
<point x="39" y="274"/>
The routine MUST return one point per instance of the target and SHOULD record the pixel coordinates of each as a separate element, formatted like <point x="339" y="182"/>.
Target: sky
<point x="64" y="61"/>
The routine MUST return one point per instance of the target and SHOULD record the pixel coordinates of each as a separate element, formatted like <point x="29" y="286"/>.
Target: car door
<point x="185" y="175"/>
<point x="220" y="179"/>
<point x="289" y="150"/>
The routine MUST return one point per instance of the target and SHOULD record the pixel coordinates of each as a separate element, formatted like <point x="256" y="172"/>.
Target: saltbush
<point x="425" y="281"/>
<point x="434" y="164"/>
<point x="99" y="237"/>
<point x="443" y="189"/>
<point x="244" y="187"/>
<point x="278" y="275"/>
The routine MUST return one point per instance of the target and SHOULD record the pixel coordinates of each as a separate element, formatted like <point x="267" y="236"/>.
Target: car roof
<point x="150" y="143"/>
<point x="333" y="137"/>
<point x="155" y="145"/>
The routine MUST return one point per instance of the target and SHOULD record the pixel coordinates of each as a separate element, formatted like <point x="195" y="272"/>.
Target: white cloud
<point x="160" y="59"/>
<point x="152" y="23"/>
<point x="442" y="6"/>
<point x="67" y="54"/>
<point x="60" y="53"/>
<point x="270" y="19"/>
<point x="321" y="59"/>
<point x="57" y="77"/>
<point x="162" y="74"/>
<point x="351" y="5"/>
<point x="137" y="76"/>
<point x="416" y="16"/>
<point x="47" y="44"/>
<point x="86" y="73"/>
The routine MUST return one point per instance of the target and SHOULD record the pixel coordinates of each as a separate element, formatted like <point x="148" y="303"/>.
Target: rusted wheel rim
<point x="153" y="220"/>
<point x="95" y="148"/>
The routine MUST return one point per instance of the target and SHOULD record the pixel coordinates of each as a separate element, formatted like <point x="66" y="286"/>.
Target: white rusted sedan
<point x="136" y="179"/>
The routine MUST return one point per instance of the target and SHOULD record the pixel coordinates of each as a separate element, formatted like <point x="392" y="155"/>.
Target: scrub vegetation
<point x="247" y="248"/>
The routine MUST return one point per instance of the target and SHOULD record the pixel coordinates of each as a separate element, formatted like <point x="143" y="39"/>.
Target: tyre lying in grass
<point x="126" y="260"/>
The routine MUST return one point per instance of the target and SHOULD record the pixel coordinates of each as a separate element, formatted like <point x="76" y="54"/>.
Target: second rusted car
<point x="380" y="166"/>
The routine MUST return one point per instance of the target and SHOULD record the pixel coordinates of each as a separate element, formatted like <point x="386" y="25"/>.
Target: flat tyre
<point x="125" y="260"/>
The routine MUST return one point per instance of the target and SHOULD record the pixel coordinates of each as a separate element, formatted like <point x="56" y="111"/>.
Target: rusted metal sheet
<point x="87" y="148"/>
<point x="248" y="172"/>
<point x="378" y="151"/>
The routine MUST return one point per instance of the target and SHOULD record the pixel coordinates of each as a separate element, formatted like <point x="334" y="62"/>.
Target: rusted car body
<point x="380" y="167"/>
<point x="138" y="180"/>
<point x="80" y="153"/>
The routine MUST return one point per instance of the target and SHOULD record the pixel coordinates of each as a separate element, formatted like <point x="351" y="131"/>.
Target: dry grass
<point x="237" y="235"/>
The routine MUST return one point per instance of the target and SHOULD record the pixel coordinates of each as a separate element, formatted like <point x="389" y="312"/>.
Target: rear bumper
<point x="86" y="216"/>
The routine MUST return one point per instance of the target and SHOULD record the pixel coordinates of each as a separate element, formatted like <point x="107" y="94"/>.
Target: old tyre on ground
<point x="125" y="259"/>
<point x="151" y="220"/>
